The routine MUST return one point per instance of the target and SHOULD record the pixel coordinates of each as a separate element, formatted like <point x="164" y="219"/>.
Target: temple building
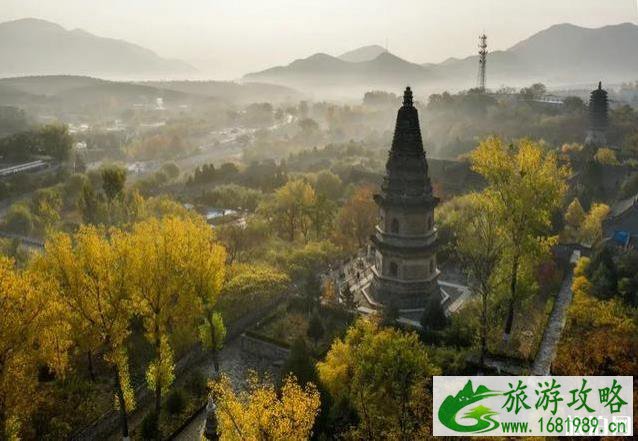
<point x="405" y="272"/>
<point x="598" y="119"/>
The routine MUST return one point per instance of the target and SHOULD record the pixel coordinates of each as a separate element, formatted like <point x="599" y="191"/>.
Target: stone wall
<point x="263" y="348"/>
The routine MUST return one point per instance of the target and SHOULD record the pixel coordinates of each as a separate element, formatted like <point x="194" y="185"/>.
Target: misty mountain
<point x="330" y="74"/>
<point x="38" y="47"/>
<point x="80" y="95"/>
<point x="563" y="54"/>
<point x="365" y="53"/>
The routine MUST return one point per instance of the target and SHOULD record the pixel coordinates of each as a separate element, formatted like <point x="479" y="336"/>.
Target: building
<point x="405" y="273"/>
<point x="621" y="226"/>
<point x="598" y="119"/>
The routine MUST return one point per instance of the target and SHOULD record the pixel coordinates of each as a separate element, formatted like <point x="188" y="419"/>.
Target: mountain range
<point x="561" y="55"/>
<point x="37" y="47"/>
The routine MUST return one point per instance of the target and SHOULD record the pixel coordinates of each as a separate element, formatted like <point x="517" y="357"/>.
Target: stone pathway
<point x="554" y="329"/>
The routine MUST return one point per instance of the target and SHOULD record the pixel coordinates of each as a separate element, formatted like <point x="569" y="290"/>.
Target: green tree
<point x="113" y="180"/>
<point x="525" y="187"/>
<point x="315" y="328"/>
<point x="480" y="248"/>
<point x="19" y="219"/>
<point x="56" y="141"/>
<point x="383" y="373"/>
<point x="329" y="185"/>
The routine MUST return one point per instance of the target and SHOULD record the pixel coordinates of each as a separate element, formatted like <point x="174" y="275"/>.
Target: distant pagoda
<point x="405" y="272"/>
<point x="598" y="119"/>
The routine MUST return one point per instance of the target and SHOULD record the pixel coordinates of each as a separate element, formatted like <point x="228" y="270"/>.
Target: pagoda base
<point x="403" y="295"/>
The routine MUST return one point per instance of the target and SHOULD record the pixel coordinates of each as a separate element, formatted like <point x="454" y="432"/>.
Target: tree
<point x="207" y="268"/>
<point x="32" y="331"/>
<point x="300" y="363"/>
<point x="94" y="281"/>
<point x="166" y="295"/>
<point x="329" y="293"/>
<point x="575" y="214"/>
<point x="356" y="219"/>
<point x="250" y="285"/>
<point x="315" y="328"/>
<point x="56" y="141"/>
<point x="171" y="170"/>
<point x="525" y="187"/>
<point x="600" y="336"/>
<point x="591" y="228"/>
<point x="290" y="207"/>
<point x="348" y="300"/>
<point x="46" y="205"/>
<point x="262" y="413"/>
<point x="313" y="290"/>
<point x="434" y="318"/>
<point x="329" y="185"/>
<point x="19" y="219"/>
<point x="383" y="373"/>
<point x="321" y="214"/>
<point x="480" y="249"/>
<point x="113" y="179"/>
<point x="606" y="156"/>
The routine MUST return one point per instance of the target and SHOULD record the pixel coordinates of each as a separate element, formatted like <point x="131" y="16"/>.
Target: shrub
<point x="176" y="401"/>
<point x="148" y="426"/>
<point x="197" y="383"/>
<point x="19" y="219"/>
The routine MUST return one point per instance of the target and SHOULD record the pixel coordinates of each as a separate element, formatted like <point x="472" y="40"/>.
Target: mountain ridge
<point x="561" y="54"/>
<point x="32" y="46"/>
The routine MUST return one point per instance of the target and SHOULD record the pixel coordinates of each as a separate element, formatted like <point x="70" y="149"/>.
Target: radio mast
<point x="482" y="62"/>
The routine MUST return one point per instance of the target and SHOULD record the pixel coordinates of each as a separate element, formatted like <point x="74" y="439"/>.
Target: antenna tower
<point x="482" y="62"/>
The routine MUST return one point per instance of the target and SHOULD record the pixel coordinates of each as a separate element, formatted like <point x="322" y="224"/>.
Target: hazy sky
<point x="228" y="38"/>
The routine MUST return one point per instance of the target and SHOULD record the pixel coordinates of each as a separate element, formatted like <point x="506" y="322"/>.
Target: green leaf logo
<point x="453" y="405"/>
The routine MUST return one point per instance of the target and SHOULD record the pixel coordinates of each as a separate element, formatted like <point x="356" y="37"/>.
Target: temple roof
<point x="407" y="181"/>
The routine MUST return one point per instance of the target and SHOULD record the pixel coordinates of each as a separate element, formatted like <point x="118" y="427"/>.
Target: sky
<point x="228" y="38"/>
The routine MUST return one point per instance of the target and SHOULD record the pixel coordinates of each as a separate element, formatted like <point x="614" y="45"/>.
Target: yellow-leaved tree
<point x="32" y="331"/>
<point x="574" y="216"/>
<point x="93" y="278"/>
<point x="261" y="413"/>
<point x="591" y="228"/>
<point x="384" y="374"/>
<point x="357" y="218"/>
<point x="169" y="288"/>
<point x="289" y="210"/>
<point x="525" y="187"/>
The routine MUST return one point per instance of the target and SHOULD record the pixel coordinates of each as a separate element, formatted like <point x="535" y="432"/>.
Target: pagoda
<point x="405" y="274"/>
<point x="598" y="119"/>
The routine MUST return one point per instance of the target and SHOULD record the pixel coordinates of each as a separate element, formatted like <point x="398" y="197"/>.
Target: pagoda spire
<point x="407" y="97"/>
<point x="406" y="180"/>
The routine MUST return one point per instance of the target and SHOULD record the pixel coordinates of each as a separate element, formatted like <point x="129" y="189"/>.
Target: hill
<point x="327" y="75"/>
<point x="230" y="91"/>
<point x="38" y="47"/>
<point x="86" y="95"/>
<point x="561" y="55"/>
<point x="365" y="53"/>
